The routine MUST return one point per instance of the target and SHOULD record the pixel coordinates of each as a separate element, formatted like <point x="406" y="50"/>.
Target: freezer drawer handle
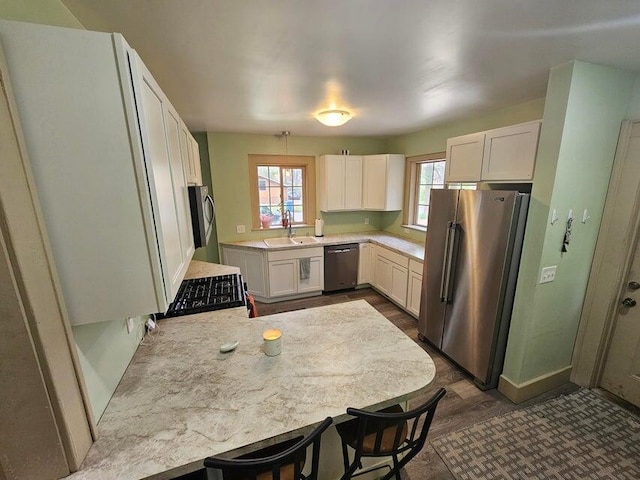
<point x="448" y="263"/>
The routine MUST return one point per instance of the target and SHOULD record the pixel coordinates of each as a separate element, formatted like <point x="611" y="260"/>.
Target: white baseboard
<point x="533" y="388"/>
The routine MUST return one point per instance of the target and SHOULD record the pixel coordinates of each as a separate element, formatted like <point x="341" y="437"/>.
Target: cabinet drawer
<point x="393" y="257"/>
<point x="295" y="253"/>
<point x="415" y="266"/>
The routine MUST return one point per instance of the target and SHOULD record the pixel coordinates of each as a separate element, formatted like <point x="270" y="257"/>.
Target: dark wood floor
<point x="463" y="405"/>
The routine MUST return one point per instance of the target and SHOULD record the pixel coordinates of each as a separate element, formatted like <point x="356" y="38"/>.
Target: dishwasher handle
<point x="341" y="250"/>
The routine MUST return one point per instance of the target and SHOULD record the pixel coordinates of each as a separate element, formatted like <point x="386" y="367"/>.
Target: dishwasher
<point x="341" y="267"/>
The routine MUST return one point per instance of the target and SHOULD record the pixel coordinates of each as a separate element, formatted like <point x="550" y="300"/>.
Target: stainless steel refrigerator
<point x="472" y="254"/>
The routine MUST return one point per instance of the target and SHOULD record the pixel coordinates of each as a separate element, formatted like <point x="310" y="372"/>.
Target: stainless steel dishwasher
<point x="341" y="267"/>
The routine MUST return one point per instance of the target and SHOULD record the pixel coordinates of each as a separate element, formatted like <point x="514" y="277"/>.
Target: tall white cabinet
<point x="105" y="149"/>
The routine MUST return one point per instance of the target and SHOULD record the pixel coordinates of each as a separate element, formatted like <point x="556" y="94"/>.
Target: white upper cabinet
<point x="160" y="132"/>
<point x="510" y="153"/>
<point x="107" y="169"/>
<point x="382" y="182"/>
<point x="340" y="182"/>
<point x="190" y="156"/>
<point x="195" y="174"/>
<point x="464" y="158"/>
<point x="505" y="154"/>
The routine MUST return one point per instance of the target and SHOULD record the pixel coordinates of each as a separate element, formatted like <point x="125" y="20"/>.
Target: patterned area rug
<point x="577" y="436"/>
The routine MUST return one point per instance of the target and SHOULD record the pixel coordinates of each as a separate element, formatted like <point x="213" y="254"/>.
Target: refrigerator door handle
<point x="444" y="278"/>
<point x="451" y="261"/>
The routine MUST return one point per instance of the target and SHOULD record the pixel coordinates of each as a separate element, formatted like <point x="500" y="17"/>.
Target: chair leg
<point x="396" y="467"/>
<point x="345" y="457"/>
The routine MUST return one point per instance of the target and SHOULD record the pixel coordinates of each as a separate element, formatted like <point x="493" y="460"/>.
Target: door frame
<point x="617" y="239"/>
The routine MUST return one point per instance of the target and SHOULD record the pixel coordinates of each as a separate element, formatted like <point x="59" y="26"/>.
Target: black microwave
<point x="203" y="214"/>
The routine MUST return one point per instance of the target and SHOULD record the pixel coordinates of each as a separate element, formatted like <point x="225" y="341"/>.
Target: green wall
<point x="228" y="154"/>
<point x="48" y="12"/>
<point x="584" y="108"/>
<point x="105" y="349"/>
<point x="210" y="252"/>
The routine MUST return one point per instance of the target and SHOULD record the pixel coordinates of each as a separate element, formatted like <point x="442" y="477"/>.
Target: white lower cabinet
<point x="288" y="276"/>
<point x="279" y="273"/>
<point x="251" y="264"/>
<point x="364" y="263"/>
<point x="414" y="290"/>
<point x="391" y="275"/>
<point x="282" y="277"/>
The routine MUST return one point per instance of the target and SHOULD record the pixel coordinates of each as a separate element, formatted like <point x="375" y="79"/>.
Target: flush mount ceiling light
<point x="333" y="118"/>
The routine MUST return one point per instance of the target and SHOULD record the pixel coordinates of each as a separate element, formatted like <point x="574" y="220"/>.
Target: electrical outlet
<point x="548" y="274"/>
<point x="130" y="324"/>
<point x="240" y="229"/>
<point x="366" y="221"/>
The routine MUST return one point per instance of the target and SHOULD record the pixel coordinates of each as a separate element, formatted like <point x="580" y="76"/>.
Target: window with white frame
<point x="425" y="173"/>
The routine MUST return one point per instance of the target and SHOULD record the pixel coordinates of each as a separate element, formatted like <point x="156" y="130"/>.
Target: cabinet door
<point x="283" y="276"/>
<point x="152" y="114"/>
<point x="464" y="158"/>
<point x="352" y="183"/>
<point x="414" y="293"/>
<point x="374" y="172"/>
<point x="251" y="265"/>
<point x="185" y="147"/>
<point x="179" y="181"/>
<point x="364" y="264"/>
<point x="332" y="181"/>
<point x="315" y="282"/>
<point x="510" y="153"/>
<point x="383" y="274"/>
<point x="399" y="282"/>
<point x="195" y="161"/>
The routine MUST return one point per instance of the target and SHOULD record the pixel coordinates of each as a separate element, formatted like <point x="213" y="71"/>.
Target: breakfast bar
<point x="181" y="400"/>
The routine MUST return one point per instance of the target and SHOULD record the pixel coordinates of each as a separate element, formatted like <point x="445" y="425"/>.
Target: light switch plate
<point x="130" y="324"/>
<point x="240" y="229"/>
<point x="366" y="221"/>
<point x="548" y="274"/>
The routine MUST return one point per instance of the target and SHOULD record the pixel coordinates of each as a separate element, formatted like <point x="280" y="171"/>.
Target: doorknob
<point x="629" y="302"/>
<point x="633" y="285"/>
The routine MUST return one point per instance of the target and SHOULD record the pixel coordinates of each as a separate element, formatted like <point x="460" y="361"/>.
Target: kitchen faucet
<point x="292" y="232"/>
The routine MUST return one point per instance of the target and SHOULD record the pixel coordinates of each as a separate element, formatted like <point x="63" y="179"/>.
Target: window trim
<point x="410" y="185"/>
<point x="308" y="189"/>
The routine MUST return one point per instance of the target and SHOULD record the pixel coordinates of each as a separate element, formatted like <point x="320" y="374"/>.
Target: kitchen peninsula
<point x="180" y="400"/>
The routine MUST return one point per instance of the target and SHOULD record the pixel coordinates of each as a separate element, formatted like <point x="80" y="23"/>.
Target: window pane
<point x="296" y="176"/>
<point x="426" y="173"/>
<point x="423" y="215"/>
<point x="423" y="194"/>
<point x="438" y="173"/>
<point x="287" y="177"/>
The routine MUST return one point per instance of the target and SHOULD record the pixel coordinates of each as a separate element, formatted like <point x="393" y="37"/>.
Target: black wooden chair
<point x="391" y="432"/>
<point x="278" y="462"/>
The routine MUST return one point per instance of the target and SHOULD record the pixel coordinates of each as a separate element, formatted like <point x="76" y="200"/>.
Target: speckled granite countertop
<point x="401" y="245"/>
<point x="180" y="400"/>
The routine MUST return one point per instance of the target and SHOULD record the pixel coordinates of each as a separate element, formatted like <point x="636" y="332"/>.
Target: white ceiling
<point x="262" y="66"/>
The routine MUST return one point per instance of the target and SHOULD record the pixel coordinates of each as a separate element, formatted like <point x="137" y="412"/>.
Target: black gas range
<point x="205" y="294"/>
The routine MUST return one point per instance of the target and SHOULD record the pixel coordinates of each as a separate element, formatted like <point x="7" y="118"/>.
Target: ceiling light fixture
<point x="333" y="118"/>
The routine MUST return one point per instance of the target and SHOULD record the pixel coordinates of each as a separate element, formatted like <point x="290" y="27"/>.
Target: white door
<point x="414" y="293"/>
<point x="464" y="158"/>
<point x="399" y="281"/>
<point x="383" y="274"/>
<point x="374" y="172"/>
<point x="364" y="264"/>
<point x="621" y="375"/>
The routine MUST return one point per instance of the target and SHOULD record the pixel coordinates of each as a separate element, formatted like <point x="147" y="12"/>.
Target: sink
<point x="285" y="241"/>
<point x="278" y="242"/>
<point x="304" y="240"/>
